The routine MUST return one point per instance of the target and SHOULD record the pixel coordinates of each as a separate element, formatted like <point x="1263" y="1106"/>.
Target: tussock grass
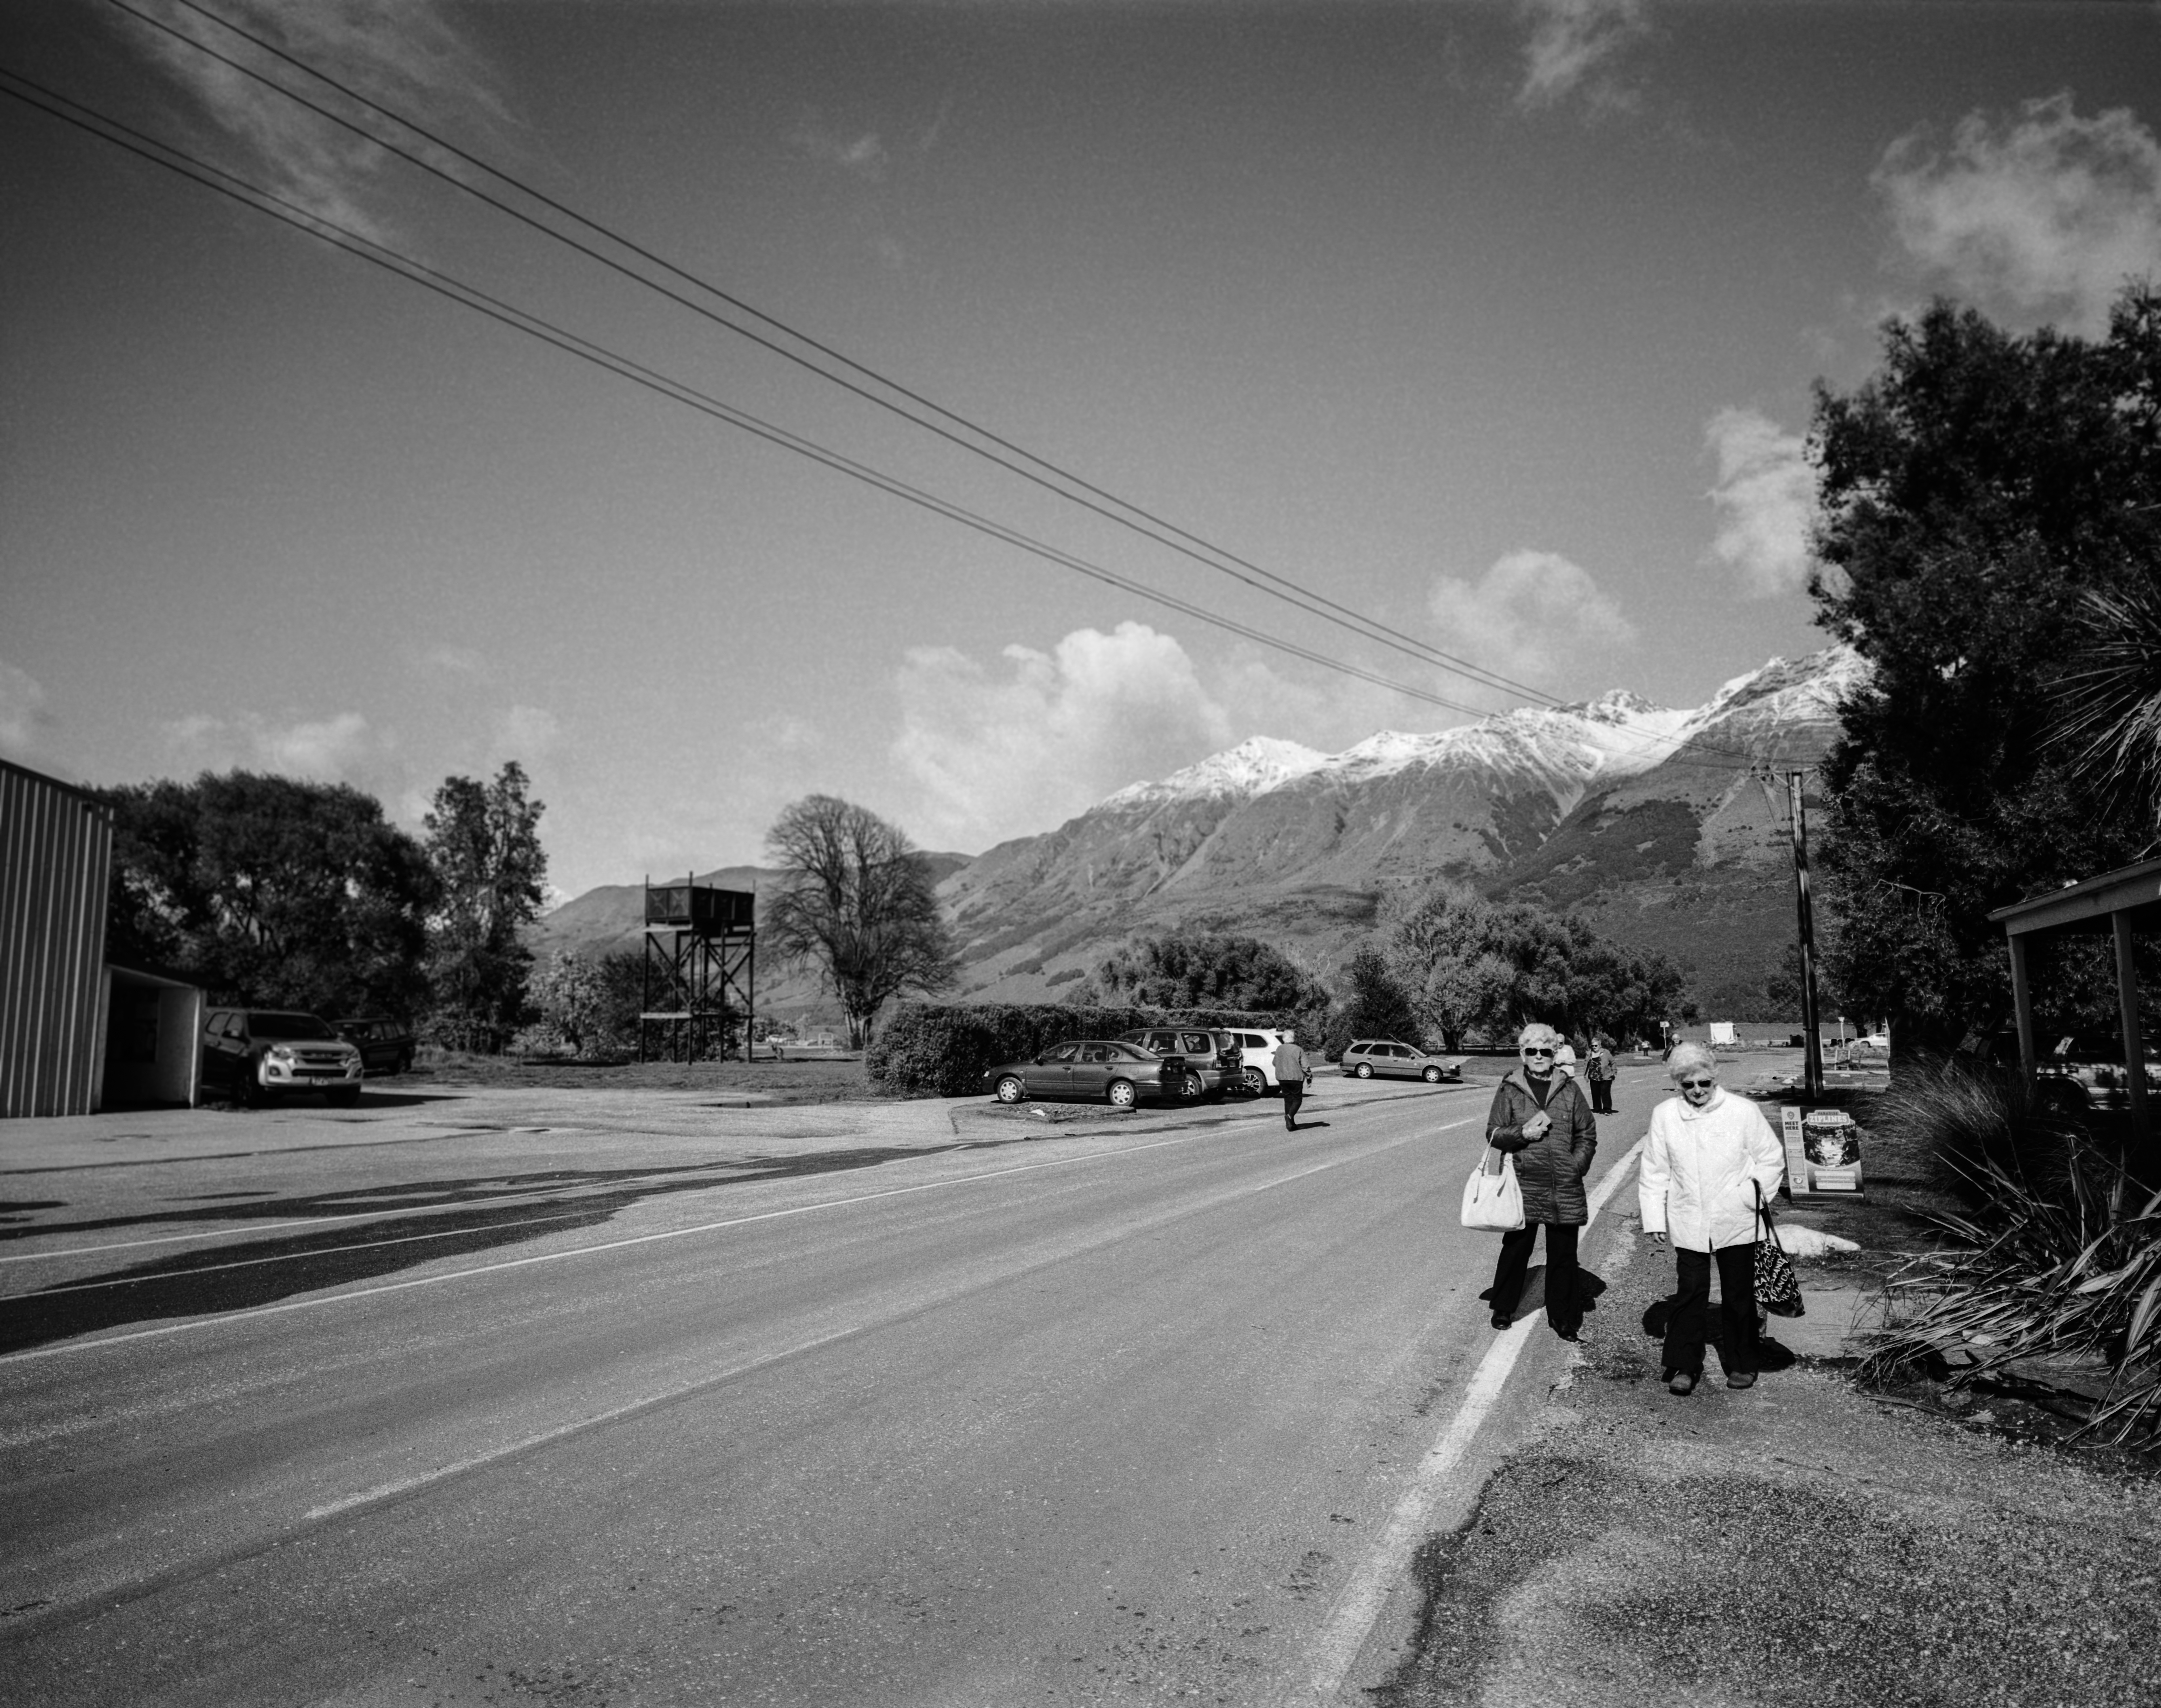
<point x="2061" y="1249"/>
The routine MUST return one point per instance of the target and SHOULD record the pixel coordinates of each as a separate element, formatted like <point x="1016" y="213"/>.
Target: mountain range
<point x="1666" y="827"/>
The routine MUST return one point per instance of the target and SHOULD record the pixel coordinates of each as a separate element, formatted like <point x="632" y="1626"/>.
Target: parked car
<point x="2076" y="1072"/>
<point x="1087" y="1068"/>
<point x="385" y="1045"/>
<point x="1214" y="1063"/>
<point x="1256" y="1053"/>
<point x="1384" y="1058"/>
<point x="253" y="1053"/>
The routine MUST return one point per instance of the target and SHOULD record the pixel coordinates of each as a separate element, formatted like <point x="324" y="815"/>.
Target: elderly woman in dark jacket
<point x="1543" y="1119"/>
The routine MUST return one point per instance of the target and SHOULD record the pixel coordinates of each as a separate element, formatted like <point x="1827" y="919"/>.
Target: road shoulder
<point x="1797" y="1542"/>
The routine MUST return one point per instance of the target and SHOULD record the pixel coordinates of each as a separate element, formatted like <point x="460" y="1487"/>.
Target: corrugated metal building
<point x="59" y="1000"/>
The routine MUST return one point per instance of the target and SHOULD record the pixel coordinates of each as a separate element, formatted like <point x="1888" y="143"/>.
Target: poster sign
<point x="1823" y="1152"/>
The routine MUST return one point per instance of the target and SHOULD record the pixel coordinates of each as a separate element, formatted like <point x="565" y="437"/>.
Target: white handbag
<point x="1492" y="1199"/>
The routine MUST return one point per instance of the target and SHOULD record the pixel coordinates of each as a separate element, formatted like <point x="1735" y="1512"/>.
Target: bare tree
<point x="855" y="899"/>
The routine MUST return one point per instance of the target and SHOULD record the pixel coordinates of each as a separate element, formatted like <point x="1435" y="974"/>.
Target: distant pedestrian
<point x="1292" y="1072"/>
<point x="1543" y="1119"/>
<point x="1707" y="1154"/>
<point x="1565" y="1056"/>
<point x="1599" y="1071"/>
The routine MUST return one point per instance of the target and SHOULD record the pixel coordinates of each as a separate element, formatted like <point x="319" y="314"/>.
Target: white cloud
<point x="1573" y="44"/>
<point x="2045" y="213"/>
<point x="863" y="157"/>
<point x="405" y="53"/>
<point x="458" y="661"/>
<point x="345" y="748"/>
<point x="23" y="714"/>
<point x="1011" y="749"/>
<point x="1529" y="616"/>
<point x="526" y="733"/>
<point x="1766" y="499"/>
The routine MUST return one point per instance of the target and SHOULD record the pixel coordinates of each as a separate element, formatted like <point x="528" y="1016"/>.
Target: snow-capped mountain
<point x="1603" y="804"/>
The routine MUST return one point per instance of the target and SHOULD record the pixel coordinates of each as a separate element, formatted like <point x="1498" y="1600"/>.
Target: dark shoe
<point x="1683" y="1384"/>
<point x="1747" y="1378"/>
<point x="1568" y="1333"/>
<point x="1501" y="1322"/>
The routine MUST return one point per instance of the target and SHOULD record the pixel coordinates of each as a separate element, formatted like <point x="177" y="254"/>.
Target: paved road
<point x="697" y="1407"/>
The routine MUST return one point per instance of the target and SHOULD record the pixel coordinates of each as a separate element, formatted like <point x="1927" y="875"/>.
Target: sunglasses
<point x="1697" y="1085"/>
<point x="1535" y="1049"/>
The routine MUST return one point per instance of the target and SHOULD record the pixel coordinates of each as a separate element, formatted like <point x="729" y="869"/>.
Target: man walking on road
<point x="1291" y="1075"/>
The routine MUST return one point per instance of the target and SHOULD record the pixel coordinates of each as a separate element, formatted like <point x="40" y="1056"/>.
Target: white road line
<point x="65" y="1348"/>
<point x="1358" y="1604"/>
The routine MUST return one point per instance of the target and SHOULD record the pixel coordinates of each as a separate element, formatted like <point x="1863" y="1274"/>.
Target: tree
<point x="572" y="999"/>
<point x="1377" y="1007"/>
<point x="855" y="899"/>
<point x="273" y="892"/>
<point x="1188" y="969"/>
<point x="491" y="872"/>
<point x="1470" y="965"/>
<point x="1972" y="495"/>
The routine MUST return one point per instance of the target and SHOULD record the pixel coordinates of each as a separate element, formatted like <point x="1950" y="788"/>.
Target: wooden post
<point x="2134" y="1045"/>
<point x="1811" y="1038"/>
<point x="2022" y="1003"/>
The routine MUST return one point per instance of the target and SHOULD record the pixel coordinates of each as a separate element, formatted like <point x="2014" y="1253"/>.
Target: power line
<point x="1294" y="593"/>
<point x="262" y="200"/>
<point x="1300" y="597"/>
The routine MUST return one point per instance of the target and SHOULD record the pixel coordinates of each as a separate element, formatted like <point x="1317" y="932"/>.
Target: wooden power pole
<point x="1811" y="1036"/>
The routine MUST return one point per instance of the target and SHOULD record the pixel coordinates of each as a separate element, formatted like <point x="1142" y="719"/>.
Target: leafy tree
<point x="855" y="898"/>
<point x="491" y="872"/>
<point x="1204" y="970"/>
<point x="273" y="892"/>
<point x="1470" y="965"/>
<point x="1973" y="493"/>
<point x="1377" y="1007"/>
<point x="572" y="999"/>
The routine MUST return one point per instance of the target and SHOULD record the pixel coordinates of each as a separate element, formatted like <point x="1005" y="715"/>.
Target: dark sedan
<point x="1118" y="1073"/>
<point x="385" y="1045"/>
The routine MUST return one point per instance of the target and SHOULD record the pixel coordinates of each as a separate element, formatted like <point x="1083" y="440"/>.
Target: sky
<point x="1495" y="324"/>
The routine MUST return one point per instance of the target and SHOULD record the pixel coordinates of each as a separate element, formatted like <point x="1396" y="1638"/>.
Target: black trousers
<point x="1737" y="1309"/>
<point x="1601" y="1097"/>
<point x="1564" y="1310"/>
<point x="1294" y="1094"/>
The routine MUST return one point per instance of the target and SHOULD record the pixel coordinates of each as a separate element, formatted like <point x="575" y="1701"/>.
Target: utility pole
<point x="1811" y="1039"/>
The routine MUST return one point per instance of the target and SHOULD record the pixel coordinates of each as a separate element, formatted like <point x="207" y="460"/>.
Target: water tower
<point x="701" y="960"/>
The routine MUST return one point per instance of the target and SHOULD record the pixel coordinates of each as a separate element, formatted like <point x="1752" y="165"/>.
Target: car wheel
<point x="1431" y="1076"/>
<point x="1364" y="1070"/>
<point x="1122" y="1095"/>
<point x="1010" y="1089"/>
<point x="343" y="1097"/>
<point x="1196" y="1088"/>
<point x="1257" y="1082"/>
<point x="247" y="1089"/>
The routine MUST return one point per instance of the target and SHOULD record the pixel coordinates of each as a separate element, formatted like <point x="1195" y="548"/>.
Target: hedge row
<point x="942" y="1051"/>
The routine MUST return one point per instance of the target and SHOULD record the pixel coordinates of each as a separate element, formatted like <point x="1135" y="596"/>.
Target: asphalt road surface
<point x="730" y="1410"/>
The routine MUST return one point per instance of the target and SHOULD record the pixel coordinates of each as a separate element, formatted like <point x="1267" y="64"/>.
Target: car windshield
<point x="287" y="1026"/>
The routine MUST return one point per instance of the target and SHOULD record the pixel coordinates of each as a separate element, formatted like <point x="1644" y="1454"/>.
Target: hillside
<point x="1652" y="820"/>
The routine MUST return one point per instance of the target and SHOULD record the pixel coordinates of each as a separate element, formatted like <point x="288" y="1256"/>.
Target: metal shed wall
<point x="55" y="851"/>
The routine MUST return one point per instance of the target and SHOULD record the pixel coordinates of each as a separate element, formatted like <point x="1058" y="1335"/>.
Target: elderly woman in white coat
<point x="1707" y="1155"/>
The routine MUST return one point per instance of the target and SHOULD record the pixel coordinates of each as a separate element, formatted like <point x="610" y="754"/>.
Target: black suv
<point x="1212" y="1059"/>
<point x="385" y="1045"/>
<point x="254" y="1053"/>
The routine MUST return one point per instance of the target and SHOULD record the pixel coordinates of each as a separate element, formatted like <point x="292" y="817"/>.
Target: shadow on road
<point x="239" y="1276"/>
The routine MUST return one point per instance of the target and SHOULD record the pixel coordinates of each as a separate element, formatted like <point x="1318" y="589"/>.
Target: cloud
<point x="405" y="53"/>
<point x="23" y="718"/>
<point x="1004" y="750"/>
<point x="458" y="661"/>
<point x="1529" y="616"/>
<point x="863" y="157"/>
<point x="345" y="748"/>
<point x="2046" y="213"/>
<point x="1766" y="499"/>
<point x="1572" y="44"/>
<point x="526" y="733"/>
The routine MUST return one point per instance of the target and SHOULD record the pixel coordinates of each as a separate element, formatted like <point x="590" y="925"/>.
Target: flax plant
<point x="2060" y="1251"/>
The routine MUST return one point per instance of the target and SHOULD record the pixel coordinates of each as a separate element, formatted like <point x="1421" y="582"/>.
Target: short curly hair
<point x="1688" y="1055"/>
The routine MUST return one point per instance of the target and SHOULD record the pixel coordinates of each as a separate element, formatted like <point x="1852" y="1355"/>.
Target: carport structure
<point x="2117" y="904"/>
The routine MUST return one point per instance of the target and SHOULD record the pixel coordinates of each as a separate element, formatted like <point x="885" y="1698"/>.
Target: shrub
<point x="942" y="1051"/>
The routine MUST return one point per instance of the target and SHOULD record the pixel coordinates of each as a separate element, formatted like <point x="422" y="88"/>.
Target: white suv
<point x="1259" y="1051"/>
